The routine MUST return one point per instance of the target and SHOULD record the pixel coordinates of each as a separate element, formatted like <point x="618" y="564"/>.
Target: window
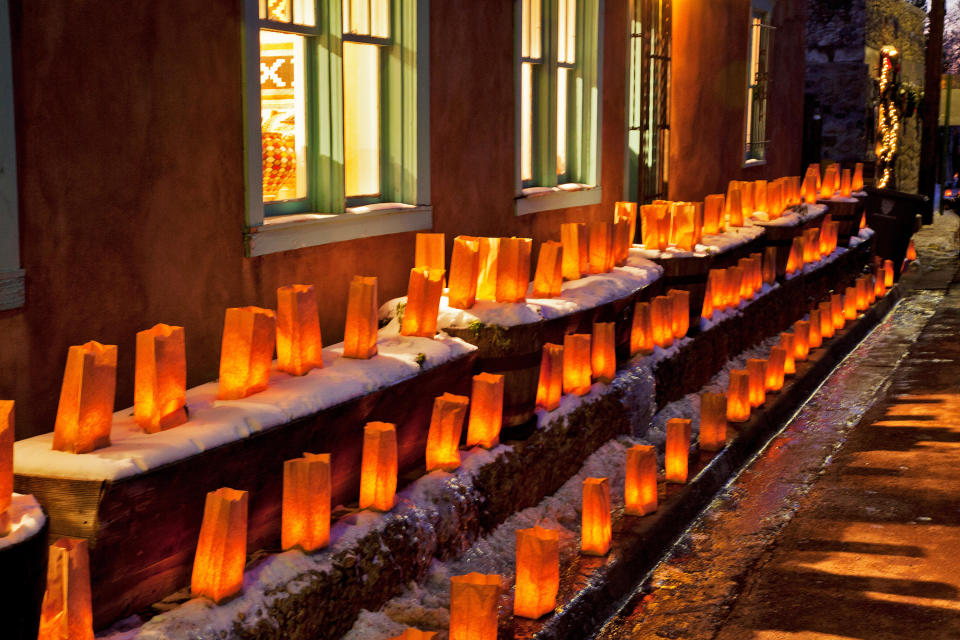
<point x="340" y="138"/>
<point x="648" y="124"/>
<point x="758" y="85"/>
<point x="558" y="110"/>
<point x="11" y="275"/>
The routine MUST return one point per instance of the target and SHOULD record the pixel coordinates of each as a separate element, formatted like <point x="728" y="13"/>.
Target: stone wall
<point x="844" y="38"/>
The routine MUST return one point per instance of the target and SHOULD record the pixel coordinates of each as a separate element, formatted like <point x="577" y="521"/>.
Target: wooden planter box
<point x="690" y="273"/>
<point x="143" y="529"/>
<point x="848" y="215"/>
<point x="515" y="351"/>
<point x="781" y="237"/>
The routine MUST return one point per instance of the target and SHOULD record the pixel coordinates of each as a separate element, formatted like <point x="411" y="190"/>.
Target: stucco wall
<point x="129" y="142"/>
<point x="709" y="94"/>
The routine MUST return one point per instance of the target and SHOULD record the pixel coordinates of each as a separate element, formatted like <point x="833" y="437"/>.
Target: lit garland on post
<point x="888" y="116"/>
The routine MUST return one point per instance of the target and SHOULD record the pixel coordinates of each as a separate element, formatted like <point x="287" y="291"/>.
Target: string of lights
<point x="888" y="117"/>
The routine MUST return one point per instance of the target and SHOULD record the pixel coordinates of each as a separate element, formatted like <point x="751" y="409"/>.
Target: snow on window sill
<point x="297" y="231"/>
<point x="534" y="199"/>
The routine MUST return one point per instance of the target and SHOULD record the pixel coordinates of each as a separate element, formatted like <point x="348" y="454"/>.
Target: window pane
<point x="278" y="10"/>
<point x="562" y="99"/>
<point x="283" y="116"/>
<point x="361" y="118"/>
<point x="303" y="12"/>
<point x="567" y="31"/>
<point x="380" y="21"/>
<point x="526" y="121"/>
<point x="530" y="46"/>
<point x="367" y="18"/>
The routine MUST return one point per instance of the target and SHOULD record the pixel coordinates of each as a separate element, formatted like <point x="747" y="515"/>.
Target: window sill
<point x="298" y="231"/>
<point x="754" y="163"/>
<point x="535" y="199"/>
<point x="12" y="289"/>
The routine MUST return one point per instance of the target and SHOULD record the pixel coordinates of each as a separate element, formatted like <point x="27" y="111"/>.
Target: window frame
<point x="12" y="276"/>
<point x="544" y="192"/>
<point x="765" y="10"/>
<point x="405" y="136"/>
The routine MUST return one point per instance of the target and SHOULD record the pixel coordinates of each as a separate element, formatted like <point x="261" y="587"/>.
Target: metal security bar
<point x="649" y="101"/>
<point x="761" y="37"/>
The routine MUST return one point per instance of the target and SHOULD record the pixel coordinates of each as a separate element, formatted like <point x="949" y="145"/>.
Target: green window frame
<point x="403" y="126"/>
<point x="538" y="148"/>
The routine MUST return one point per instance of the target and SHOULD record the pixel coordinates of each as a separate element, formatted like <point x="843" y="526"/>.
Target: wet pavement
<point x="848" y="524"/>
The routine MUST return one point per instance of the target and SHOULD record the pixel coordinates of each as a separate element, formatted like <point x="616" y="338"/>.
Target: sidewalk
<point x="848" y="524"/>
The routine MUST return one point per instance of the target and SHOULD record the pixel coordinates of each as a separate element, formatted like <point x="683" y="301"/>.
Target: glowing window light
<point x="361" y="119"/>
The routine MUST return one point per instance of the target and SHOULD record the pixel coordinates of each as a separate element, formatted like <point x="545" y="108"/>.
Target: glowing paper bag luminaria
<point x="801" y="340"/>
<point x="627" y="211"/>
<point x="757" y="371"/>
<point x="378" y="467"/>
<point x="769" y="265"/>
<point x="486" y="410"/>
<point x="601" y="247"/>
<point x="641" y="331"/>
<point x="66" y="612"/>
<point x="443" y="437"/>
<point x="474" y="600"/>
<point x="676" y="457"/>
<point x="222" y="547"/>
<point x="836" y="307"/>
<point x="549" y="276"/>
<point x="713" y="212"/>
<point x="550" y="385"/>
<point x="845" y="183"/>
<point x="6" y="463"/>
<point x="640" y="485"/>
<point x="738" y="396"/>
<point x="850" y="304"/>
<point x="826" y="320"/>
<point x="577" y="366"/>
<point x="429" y="253"/>
<point x="888" y="273"/>
<point x="650" y="219"/>
<point x="573" y="237"/>
<point x="85" y="412"/>
<point x="773" y="375"/>
<point x="299" y="347"/>
<point x="596" y="531"/>
<point x="360" y="332"/>
<point x="246" y="353"/>
<point x="489" y="267"/>
<point x="856" y="183"/>
<point x="815" y="338"/>
<point x="538" y="572"/>
<point x="464" y="272"/>
<point x="679" y="312"/>
<point x="734" y="205"/>
<point x="684" y="223"/>
<point x="424" y="291"/>
<point x="513" y="269"/>
<point x="713" y="421"/>
<point x="305" y="518"/>
<point x="603" y="355"/>
<point x="160" y="379"/>
<point x="661" y="316"/>
<point x="789" y="361"/>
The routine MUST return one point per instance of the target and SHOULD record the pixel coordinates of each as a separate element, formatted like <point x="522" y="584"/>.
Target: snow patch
<point x="26" y="519"/>
<point x="216" y="422"/>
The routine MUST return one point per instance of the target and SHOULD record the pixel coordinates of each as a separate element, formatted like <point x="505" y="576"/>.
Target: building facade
<point x="141" y="195"/>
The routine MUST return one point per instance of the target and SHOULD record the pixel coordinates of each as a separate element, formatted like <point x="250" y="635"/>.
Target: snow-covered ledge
<point x="297" y="231"/>
<point x="215" y="422"/>
<point x="26" y="520"/>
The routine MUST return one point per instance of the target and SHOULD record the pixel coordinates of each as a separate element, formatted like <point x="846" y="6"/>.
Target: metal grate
<point x="649" y="102"/>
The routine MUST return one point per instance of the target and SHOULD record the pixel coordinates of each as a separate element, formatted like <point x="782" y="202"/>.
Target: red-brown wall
<point x="129" y="144"/>
<point x="709" y="95"/>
